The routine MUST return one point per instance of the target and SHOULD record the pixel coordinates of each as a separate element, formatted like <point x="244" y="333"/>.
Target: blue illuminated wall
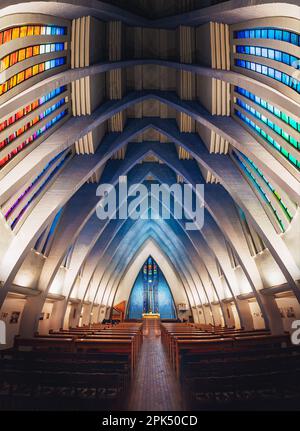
<point x="166" y="306"/>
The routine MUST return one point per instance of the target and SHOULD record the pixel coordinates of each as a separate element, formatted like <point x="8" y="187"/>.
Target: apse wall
<point x="83" y="99"/>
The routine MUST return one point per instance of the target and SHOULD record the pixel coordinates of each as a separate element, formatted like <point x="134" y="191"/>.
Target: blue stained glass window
<point x="272" y="54"/>
<point x="38" y="184"/>
<point x="269" y="33"/>
<point x="240" y="159"/>
<point x="268" y="138"/>
<point x="258" y="34"/>
<point x="270" y="71"/>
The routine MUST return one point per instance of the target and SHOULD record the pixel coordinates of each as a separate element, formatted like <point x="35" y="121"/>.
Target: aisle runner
<point x="154" y="385"/>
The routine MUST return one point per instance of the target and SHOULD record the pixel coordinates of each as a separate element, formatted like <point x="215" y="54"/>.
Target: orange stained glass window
<point x="34" y="105"/>
<point x="37" y="30"/>
<point x="13" y="58"/>
<point x="29" y="52"/>
<point x="26" y="110"/>
<point x="7" y="36"/>
<point x="19" y="114"/>
<point x="30" y="30"/>
<point x="28" y="73"/>
<point x="5" y="86"/>
<point x="36" y="50"/>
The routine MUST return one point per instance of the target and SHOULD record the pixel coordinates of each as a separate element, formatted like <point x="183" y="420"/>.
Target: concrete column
<point x="87" y="309"/>
<point x="247" y="320"/>
<point x="107" y="313"/>
<point x="31" y="315"/>
<point x="94" y="317"/>
<point x="74" y="315"/>
<point x="208" y="317"/>
<point x="216" y="314"/>
<point x="101" y="313"/>
<point x="57" y="315"/>
<point x="225" y="316"/>
<point x="275" y="321"/>
<point x="230" y="322"/>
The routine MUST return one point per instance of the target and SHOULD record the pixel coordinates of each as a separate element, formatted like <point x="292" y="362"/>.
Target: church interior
<point x="142" y="314"/>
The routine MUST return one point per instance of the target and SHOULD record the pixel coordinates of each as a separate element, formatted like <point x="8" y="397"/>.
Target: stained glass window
<point x="30" y="30"/>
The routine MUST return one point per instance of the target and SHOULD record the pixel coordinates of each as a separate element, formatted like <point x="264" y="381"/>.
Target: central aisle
<point x="154" y="386"/>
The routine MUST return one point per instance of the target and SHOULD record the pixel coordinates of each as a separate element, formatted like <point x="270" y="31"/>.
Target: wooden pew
<point x="110" y="345"/>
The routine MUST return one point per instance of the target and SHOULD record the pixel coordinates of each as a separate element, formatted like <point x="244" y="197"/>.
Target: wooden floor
<point x="154" y="386"/>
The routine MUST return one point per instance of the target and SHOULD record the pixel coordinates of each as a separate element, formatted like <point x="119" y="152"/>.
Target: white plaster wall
<point x="285" y="305"/>
<point x="44" y="325"/>
<point x="67" y="317"/>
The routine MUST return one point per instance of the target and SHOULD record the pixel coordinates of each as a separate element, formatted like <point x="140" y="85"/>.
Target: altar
<point x="151" y="316"/>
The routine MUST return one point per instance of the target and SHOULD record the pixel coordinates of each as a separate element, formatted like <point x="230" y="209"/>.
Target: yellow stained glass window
<point x="16" y="33"/>
<point x="36" y="50"/>
<point x="23" y="31"/>
<point x="12" y="82"/>
<point x="5" y="63"/>
<point x="20" y="77"/>
<point x="22" y="54"/>
<point x="35" y="70"/>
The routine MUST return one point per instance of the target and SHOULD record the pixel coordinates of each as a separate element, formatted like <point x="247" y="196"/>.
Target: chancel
<point x="149" y="205"/>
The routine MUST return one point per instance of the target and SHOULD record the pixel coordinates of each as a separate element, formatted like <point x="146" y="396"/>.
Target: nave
<point x="149" y="205"/>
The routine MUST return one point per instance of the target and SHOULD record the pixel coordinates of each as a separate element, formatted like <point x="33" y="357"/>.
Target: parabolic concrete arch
<point x="150" y="248"/>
